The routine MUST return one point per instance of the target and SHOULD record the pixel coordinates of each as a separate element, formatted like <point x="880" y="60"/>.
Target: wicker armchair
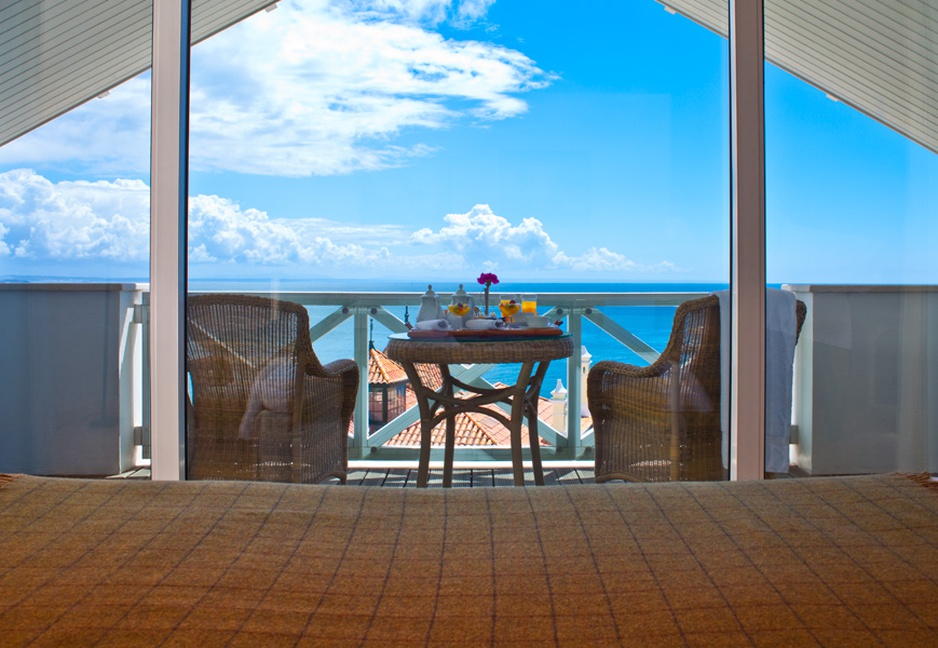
<point x="262" y="406"/>
<point x="662" y="422"/>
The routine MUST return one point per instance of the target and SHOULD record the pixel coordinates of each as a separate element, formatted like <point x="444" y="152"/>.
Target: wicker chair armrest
<point x="335" y="368"/>
<point x="610" y="382"/>
<point x="330" y="392"/>
<point x="660" y="367"/>
<point x="631" y="412"/>
<point x="346" y="370"/>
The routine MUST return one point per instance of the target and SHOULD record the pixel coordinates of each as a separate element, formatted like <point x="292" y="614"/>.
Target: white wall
<point x="67" y="365"/>
<point x="866" y="379"/>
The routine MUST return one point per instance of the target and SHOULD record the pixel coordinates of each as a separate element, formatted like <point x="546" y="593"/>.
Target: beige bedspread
<point x="825" y="561"/>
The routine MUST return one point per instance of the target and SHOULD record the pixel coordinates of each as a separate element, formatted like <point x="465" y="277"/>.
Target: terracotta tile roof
<point x="472" y="428"/>
<point x="430" y="375"/>
<point x="382" y="370"/>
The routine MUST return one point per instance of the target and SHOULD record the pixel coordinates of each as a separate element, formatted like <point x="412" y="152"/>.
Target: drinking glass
<point x="529" y="304"/>
<point x="509" y="306"/>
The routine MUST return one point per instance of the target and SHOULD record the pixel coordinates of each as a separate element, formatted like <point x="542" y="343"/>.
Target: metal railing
<point x="389" y="309"/>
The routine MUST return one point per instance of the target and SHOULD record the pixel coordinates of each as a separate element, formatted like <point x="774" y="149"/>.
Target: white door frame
<point x="747" y="249"/>
<point x="168" y="237"/>
<point x="168" y="214"/>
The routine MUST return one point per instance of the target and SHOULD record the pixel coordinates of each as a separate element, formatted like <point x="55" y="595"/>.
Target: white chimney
<point x="584" y="372"/>
<point x="558" y="401"/>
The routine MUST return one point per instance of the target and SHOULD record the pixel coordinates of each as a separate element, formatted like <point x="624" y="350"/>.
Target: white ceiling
<point x="57" y="54"/>
<point x="879" y="56"/>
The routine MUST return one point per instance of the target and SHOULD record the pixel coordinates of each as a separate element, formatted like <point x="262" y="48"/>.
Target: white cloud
<point x="41" y="220"/>
<point x="220" y="231"/>
<point x="602" y="260"/>
<point x="108" y="221"/>
<point x="482" y="236"/>
<point x="315" y="88"/>
<point x="5" y="249"/>
<point x="473" y="9"/>
<point x="105" y="221"/>
<point x="108" y="136"/>
<point x="433" y="12"/>
<point x="324" y="90"/>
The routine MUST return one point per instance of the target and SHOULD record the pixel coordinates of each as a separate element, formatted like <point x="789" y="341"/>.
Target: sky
<point x="432" y="140"/>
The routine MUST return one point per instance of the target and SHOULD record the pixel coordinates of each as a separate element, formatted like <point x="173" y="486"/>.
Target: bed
<point x="818" y="561"/>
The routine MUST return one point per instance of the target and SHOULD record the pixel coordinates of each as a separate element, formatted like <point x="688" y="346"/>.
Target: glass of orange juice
<point x="509" y="306"/>
<point x="529" y="304"/>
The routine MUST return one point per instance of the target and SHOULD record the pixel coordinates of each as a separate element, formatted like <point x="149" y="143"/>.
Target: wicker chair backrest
<point x="662" y="422"/>
<point x="245" y="355"/>
<point x="231" y="339"/>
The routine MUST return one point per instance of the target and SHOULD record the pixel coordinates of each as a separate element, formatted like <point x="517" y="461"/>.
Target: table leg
<point x="449" y="441"/>
<point x="423" y="465"/>
<point x="518" y="408"/>
<point x="534" y="439"/>
<point x="532" y="398"/>
<point x="423" y="403"/>
<point x="449" y="451"/>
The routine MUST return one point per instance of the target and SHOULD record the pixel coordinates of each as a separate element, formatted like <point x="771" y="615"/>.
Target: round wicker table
<point x="443" y="404"/>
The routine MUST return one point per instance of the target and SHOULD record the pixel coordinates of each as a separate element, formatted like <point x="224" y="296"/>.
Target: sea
<point x="651" y="324"/>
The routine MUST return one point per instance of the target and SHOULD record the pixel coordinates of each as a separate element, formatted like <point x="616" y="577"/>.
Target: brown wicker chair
<point x="262" y="406"/>
<point x="649" y="426"/>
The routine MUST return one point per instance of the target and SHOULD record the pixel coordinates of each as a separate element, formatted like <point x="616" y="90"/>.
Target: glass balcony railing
<point x="860" y="394"/>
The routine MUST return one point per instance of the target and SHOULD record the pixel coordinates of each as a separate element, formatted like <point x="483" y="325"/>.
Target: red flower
<point x="487" y="279"/>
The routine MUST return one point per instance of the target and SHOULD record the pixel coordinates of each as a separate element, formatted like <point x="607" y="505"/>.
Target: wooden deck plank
<point x="400" y="478"/>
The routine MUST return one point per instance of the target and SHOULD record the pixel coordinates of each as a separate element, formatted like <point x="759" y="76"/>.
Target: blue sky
<point x="435" y="139"/>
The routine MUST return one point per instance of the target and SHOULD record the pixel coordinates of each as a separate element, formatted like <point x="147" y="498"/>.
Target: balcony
<point x="86" y="413"/>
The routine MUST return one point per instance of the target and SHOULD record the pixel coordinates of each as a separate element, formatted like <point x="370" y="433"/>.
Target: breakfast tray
<point x="485" y="334"/>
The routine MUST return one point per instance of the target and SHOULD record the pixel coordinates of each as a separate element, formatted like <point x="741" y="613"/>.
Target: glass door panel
<point x="346" y="156"/>
<point x="851" y="195"/>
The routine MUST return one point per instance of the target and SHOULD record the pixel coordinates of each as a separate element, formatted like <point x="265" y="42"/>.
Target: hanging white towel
<point x="781" y="331"/>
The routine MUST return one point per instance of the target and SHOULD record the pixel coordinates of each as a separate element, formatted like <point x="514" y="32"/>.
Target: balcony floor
<point x="467" y="477"/>
<point x="462" y="478"/>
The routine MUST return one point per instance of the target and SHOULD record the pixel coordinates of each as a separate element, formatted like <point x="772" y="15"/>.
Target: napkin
<point x="433" y="325"/>
<point x="484" y="324"/>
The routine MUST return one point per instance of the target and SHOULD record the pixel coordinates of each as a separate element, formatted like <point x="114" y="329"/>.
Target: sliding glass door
<point x="344" y="154"/>
<point x="852" y="194"/>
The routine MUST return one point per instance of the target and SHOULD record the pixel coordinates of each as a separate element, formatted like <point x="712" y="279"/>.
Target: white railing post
<point x="575" y="391"/>
<point x="142" y="319"/>
<point x="361" y="356"/>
